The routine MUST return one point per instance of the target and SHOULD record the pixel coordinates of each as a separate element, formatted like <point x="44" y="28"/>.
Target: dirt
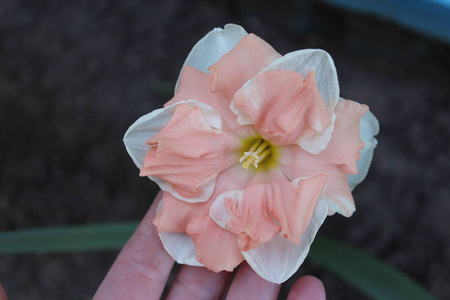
<point x="75" y="74"/>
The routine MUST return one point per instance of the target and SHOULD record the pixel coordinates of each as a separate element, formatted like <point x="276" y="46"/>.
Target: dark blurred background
<point x="75" y="74"/>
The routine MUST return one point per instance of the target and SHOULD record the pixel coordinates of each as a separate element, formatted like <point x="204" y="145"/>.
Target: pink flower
<point x="253" y="152"/>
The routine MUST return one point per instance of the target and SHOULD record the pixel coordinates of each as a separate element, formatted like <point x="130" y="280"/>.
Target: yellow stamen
<point x="257" y="153"/>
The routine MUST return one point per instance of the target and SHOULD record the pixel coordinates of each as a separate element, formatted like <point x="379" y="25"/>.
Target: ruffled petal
<point x="189" y="152"/>
<point x="213" y="46"/>
<point x="338" y="194"/>
<point x="337" y="160"/>
<point x="268" y="206"/>
<point x="174" y="215"/>
<point x="298" y="163"/>
<point x="294" y="213"/>
<point x="181" y="247"/>
<point x="345" y="145"/>
<point x="284" y="107"/>
<point x="216" y="248"/>
<point x="194" y="85"/>
<point x="249" y="215"/>
<point x="144" y="128"/>
<point x="241" y="64"/>
<point x="369" y="128"/>
<point x="322" y="64"/>
<point x="279" y="259"/>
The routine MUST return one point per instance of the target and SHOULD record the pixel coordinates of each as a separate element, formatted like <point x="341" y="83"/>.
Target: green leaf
<point x="67" y="239"/>
<point x="378" y="280"/>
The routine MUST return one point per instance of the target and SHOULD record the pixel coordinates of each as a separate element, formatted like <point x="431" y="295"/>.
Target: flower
<point x="253" y="152"/>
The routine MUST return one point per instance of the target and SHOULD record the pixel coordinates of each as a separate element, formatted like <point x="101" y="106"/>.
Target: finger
<point x="307" y="288"/>
<point x="142" y="267"/>
<point x="198" y="283"/>
<point x="2" y="293"/>
<point x="248" y="285"/>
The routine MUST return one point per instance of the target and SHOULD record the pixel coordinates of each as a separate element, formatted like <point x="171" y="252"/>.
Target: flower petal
<point x="189" y="152"/>
<point x="294" y="213"/>
<point x="177" y="216"/>
<point x="213" y="46"/>
<point x="338" y="194"/>
<point x="144" y="128"/>
<point x="322" y="64"/>
<point x="181" y="247"/>
<point x="248" y="215"/>
<point x="284" y="107"/>
<point x="194" y="84"/>
<point x="345" y="145"/>
<point x="266" y="207"/>
<point x="369" y="127"/>
<point x="337" y="160"/>
<point x="174" y="215"/>
<point x="279" y="259"/>
<point x="241" y="64"/>
<point x="230" y="184"/>
<point x="216" y="248"/>
<point x="319" y="140"/>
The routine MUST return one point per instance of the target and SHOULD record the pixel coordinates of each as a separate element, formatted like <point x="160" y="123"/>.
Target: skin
<point x="142" y="269"/>
<point x="2" y="293"/>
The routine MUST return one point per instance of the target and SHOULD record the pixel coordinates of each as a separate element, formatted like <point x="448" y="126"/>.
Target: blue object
<point x="430" y="17"/>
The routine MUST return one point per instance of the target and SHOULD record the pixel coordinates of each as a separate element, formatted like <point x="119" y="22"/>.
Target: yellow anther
<point x="262" y="147"/>
<point x="257" y="153"/>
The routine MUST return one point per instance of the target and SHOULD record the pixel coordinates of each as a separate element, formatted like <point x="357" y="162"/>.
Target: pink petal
<point x="216" y="248"/>
<point x="319" y="61"/>
<point x="178" y="216"/>
<point x="338" y="193"/>
<point x="279" y="259"/>
<point x="250" y="216"/>
<point x="268" y="205"/>
<point x="296" y="162"/>
<point x="194" y="85"/>
<point x="283" y="107"/>
<point x="241" y="64"/>
<point x="175" y="214"/>
<point x="189" y="151"/>
<point x="337" y="160"/>
<point x="345" y="145"/>
<point x="294" y="212"/>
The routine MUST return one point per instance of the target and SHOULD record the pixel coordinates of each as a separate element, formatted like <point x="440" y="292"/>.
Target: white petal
<point x="369" y="127"/>
<point x="341" y="205"/>
<point x="218" y="211"/>
<point x="279" y="259"/>
<point x="149" y="125"/>
<point x="181" y="247"/>
<point x="212" y="47"/>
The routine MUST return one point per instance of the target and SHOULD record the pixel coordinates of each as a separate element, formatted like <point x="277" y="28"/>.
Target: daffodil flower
<point x="253" y="152"/>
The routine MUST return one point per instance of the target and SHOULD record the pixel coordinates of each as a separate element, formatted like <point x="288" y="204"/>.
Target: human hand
<point x="2" y="293"/>
<point x="142" y="268"/>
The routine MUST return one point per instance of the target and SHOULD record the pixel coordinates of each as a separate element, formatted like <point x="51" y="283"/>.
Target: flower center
<point x="258" y="151"/>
